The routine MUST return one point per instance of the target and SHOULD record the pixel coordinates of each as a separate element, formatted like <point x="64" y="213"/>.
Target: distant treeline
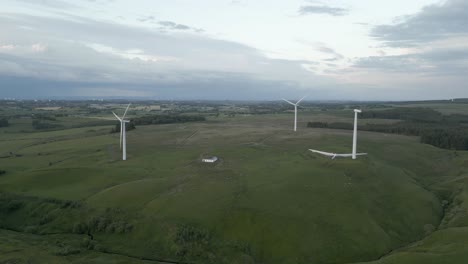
<point x="48" y="117"/>
<point x="443" y="131"/>
<point x="41" y="125"/>
<point x="416" y="114"/>
<point x="4" y="122"/>
<point x="158" y="119"/>
<point x="128" y="126"/>
<point x="167" y="119"/>
<point x="40" y="122"/>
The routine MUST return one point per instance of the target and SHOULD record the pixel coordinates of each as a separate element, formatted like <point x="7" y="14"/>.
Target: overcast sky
<point x="235" y="49"/>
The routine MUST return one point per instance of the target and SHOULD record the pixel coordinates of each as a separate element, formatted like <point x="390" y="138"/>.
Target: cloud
<point x="7" y="47"/>
<point x="81" y="52"/>
<point x="56" y="4"/>
<point x="433" y="22"/>
<point x="426" y="51"/>
<point x="71" y="55"/>
<point x="130" y="54"/>
<point x="39" y="47"/>
<point x="168" y="25"/>
<point x="147" y="19"/>
<point x="322" y="9"/>
<point x="441" y="62"/>
<point x="335" y="55"/>
<point x="173" y="25"/>
<point x="225" y="88"/>
<point x="23" y="49"/>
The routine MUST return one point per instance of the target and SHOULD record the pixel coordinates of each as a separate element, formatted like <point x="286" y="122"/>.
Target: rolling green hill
<point x="67" y="196"/>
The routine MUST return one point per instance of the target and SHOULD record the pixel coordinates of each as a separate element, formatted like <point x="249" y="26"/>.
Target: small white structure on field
<point x="210" y="160"/>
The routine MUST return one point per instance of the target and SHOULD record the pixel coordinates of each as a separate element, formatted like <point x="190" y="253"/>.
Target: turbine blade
<point x="344" y="155"/>
<point x="329" y="154"/>
<point x="289" y="102"/>
<point x="117" y="117"/>
<point x="301" y="99"/>
<point x="126" y="111"/>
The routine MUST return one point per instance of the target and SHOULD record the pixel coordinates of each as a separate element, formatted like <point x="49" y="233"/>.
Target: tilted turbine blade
<point x="344" y="155"/>
<point x="335" y="155"/>
<point x="329" y="154"/>
<point x="289" y="102"/>
<point x="126" y="111"/>
<point x="301" y="99"/>
<point x="117" y="117"/>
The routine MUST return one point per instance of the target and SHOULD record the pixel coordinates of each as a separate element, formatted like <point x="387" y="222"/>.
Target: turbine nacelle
<point x="295" y="104"/>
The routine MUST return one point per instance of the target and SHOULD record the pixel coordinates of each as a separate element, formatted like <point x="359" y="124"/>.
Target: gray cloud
<point x="433" y="22"/>
<point x="361" y="23"/>
<point x="441" y="62"/>
<point x="147" y="19"/>
<point x="322" y="9"/>
<point x="173" y="25"/>
<point x="225" y="88"/>
<point x="77" y="56"/>
<point x="101" y="56"/>
<point x="335" y="55"/>
<point x="61" y="4"/>
<point x="168" y="25"/>
<point x="404" y="63"/>
<point x="57" y="4"/>
<point x="436" y="36"/>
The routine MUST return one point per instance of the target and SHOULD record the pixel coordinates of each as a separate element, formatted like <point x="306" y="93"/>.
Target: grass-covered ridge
<point x="268" y="200"/>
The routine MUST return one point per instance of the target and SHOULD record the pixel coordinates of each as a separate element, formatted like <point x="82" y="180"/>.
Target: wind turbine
<point x="295" y="110"/>
<point x="123" y="140"/>
<point x="353" y="154"/>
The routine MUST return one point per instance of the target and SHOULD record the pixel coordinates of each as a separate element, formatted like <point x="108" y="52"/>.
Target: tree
<point x="4" y="122"/>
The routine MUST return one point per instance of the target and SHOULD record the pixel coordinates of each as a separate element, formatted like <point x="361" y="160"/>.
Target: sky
<point x="234" y="49"/>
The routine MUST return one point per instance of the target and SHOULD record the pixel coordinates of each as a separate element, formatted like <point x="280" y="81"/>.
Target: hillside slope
<point x="269" y="200"/>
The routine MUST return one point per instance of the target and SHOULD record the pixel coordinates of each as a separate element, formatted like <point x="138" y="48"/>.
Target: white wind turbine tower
<point x="353" y="154"/>
<point x="356" y="112"/>
<point x="123" y="139"/>
<point x="295" y="110"/>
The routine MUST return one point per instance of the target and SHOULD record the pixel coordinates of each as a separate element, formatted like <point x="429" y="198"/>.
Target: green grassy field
<point x="268" y="200"/>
